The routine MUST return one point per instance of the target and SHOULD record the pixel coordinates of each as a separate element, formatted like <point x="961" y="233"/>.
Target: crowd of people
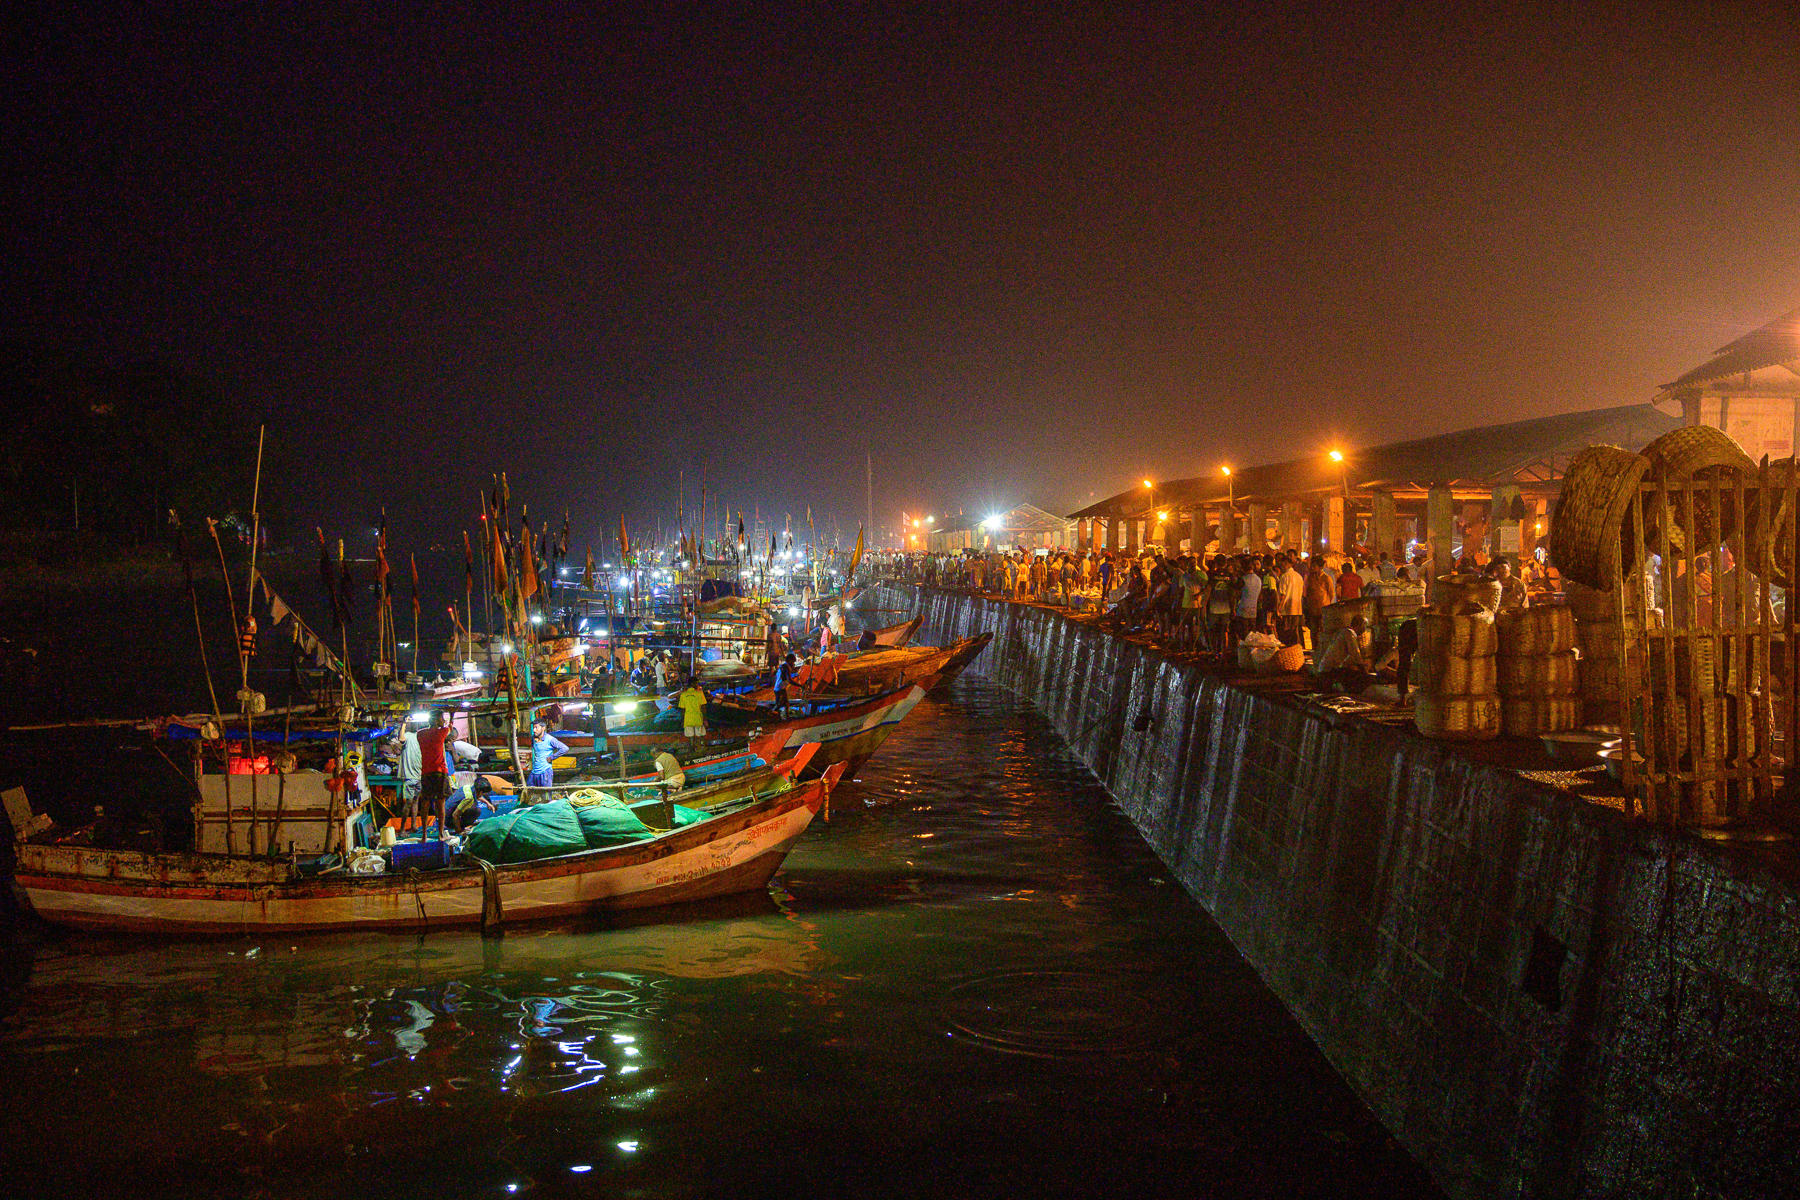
<point x="1208" y="604"/>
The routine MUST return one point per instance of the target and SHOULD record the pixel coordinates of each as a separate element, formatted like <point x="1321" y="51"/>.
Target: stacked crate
<point x="1540" y="686"/>
<point x="1453" y="675"/>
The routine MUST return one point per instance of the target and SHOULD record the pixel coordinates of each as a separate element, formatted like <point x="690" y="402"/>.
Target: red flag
<point x="528" y="576"/>
<point x="414" y="560"/>
<point x="587" y="573"/>
<point x="624" y="540"/>
<point x="468" y="560"/>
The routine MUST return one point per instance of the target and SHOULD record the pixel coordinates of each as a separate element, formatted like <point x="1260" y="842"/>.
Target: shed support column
<point x="1172" y="533"/>
<point x="1227" y="531"/>
<point x="1337" y="521"/>
<point x="1291" y="536"/>
<point x="1503" y="530"/>
<point x="1197" y="526"/>
<point x="1131" y="533"/>
<point x="1440" y="522"/>
<point x="1382" y="534"/>
<point x="1256" y="538"/>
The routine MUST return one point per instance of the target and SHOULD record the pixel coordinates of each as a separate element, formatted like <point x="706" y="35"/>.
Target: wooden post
<point x="1440" y="523"/>
<point x="1382" y="530"/>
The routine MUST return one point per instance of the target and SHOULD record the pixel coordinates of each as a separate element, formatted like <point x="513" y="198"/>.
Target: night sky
<point x="1016" y="257"/>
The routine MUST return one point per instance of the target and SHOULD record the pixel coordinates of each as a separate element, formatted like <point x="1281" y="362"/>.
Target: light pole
<point x="1337" y="456"/>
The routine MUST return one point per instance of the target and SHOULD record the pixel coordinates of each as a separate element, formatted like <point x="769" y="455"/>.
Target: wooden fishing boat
<point x="734" y="848"/>
<point x="895" y="636"/>
<point x="963" y="653"/>
<point x="880" y="669"/>
<point x="849" y="729"/>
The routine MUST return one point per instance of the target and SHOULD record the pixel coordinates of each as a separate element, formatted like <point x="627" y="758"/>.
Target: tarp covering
<point x="528" y="834"/>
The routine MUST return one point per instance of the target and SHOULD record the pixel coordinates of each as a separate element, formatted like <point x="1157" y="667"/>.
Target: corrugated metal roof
<point x="1776" y="342"/>
<point x="1480" y="457"/>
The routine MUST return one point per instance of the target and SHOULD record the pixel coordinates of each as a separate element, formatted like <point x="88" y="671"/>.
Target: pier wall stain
<point x="1538" y="996"/>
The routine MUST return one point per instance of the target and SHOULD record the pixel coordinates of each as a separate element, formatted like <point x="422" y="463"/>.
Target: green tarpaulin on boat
<point x="527" y="834"/>
<point x="609" y="825"/>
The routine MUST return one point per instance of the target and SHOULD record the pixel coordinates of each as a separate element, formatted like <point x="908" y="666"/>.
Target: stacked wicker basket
<point x="1539" y="684"/>
<point x="1601" y="632"/>
<point x="1453" y="670"/>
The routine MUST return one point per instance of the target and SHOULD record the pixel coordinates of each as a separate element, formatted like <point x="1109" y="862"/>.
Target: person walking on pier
<point x="1320" y="592"/>
<point x="1249" y="600"/>
<point x="1290" y="601"/>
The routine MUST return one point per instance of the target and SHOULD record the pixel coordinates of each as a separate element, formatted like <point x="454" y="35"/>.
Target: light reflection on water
<point x="976" y="965"/>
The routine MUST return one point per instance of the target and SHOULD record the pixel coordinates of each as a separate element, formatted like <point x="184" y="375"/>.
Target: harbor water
<point x="974" y="980"/>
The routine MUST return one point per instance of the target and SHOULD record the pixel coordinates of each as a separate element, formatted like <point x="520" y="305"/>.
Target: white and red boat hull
<point x="204" y="893"/>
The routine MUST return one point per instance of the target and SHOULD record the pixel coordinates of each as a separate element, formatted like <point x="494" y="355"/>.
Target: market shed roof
<point x="1483" y="457"/>
<point x="1777" y="343"/>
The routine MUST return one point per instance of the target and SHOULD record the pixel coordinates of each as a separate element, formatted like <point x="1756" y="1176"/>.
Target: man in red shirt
<point x="434" y="770"/>
<point x="1350" y="584"/>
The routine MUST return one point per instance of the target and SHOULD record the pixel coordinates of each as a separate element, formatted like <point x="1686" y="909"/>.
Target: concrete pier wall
<point x="1537" y="995"/>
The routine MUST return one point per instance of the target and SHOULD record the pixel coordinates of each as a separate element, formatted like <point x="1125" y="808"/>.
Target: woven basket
<point x="1452" y="675"/>
<point x="1288" y="658"/>
<point x="1461" y="636"/>
<point x="1536" y="676"/>
<point x="1702" y="452"/>
<point x="1590" y="514"/>
<point x="1702" y="651"/>
<point x="1457" y="718"/>
<point x="1731" y="671"/>
<point x="1719" y="727"/>
<point x="1545" y="629"/>
<point x="1780" y="567"/>
<point x="1590" y="604"/>
<point x="1464" y="593"/>
<point x="1530" y="718"/>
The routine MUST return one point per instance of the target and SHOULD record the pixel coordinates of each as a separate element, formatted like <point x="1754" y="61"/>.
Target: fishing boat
<point x="849" y="729"/>
<point x="964" y="651"/>
<point x="871" y="670"/>
<point x="895" y="636"/>
<point x="735" y="847"/>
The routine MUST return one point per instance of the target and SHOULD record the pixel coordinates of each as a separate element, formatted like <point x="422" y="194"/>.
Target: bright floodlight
<point x="1226" y="471"/>
<point x="992" y="522"/>
<point x="1162" y="516"/>
<point x="1337" y="456"/>
<point x="1147" y="483"/>
<point x="793" y="612"/>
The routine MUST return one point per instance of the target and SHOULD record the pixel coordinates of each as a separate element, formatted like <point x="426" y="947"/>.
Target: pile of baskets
<point x="1603" y="628"/>
<point x="1454" y="675"/>
<point x="1540" y="686"/>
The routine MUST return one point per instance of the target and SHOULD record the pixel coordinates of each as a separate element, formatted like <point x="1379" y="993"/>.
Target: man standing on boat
<point x="693" y="712"/>
<point x="434" y="769"/>
<point x="784" y="679"/>
<point x="544" y="752"/>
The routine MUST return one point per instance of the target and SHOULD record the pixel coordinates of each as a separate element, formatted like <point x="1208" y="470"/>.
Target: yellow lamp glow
<point x="1337" y="456"/>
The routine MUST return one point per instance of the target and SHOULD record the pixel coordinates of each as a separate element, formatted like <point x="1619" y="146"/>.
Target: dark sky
<point x="1017" y="257"/>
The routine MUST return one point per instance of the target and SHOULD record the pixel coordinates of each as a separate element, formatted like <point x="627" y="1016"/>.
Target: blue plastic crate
<point x="423" y="856"/>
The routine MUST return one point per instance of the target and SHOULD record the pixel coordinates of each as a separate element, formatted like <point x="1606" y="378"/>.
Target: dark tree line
<point x="109" y="450"/>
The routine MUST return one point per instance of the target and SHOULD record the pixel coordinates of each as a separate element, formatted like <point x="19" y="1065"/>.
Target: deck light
<point x="624" y="706"/>
<point x="419" y="718"/>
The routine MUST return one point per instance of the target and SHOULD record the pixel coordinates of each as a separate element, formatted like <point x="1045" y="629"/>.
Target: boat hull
<point x="189" y="893"/>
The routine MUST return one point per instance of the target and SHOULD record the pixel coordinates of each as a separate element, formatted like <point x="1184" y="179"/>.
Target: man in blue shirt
<point x="544" y="751"/>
